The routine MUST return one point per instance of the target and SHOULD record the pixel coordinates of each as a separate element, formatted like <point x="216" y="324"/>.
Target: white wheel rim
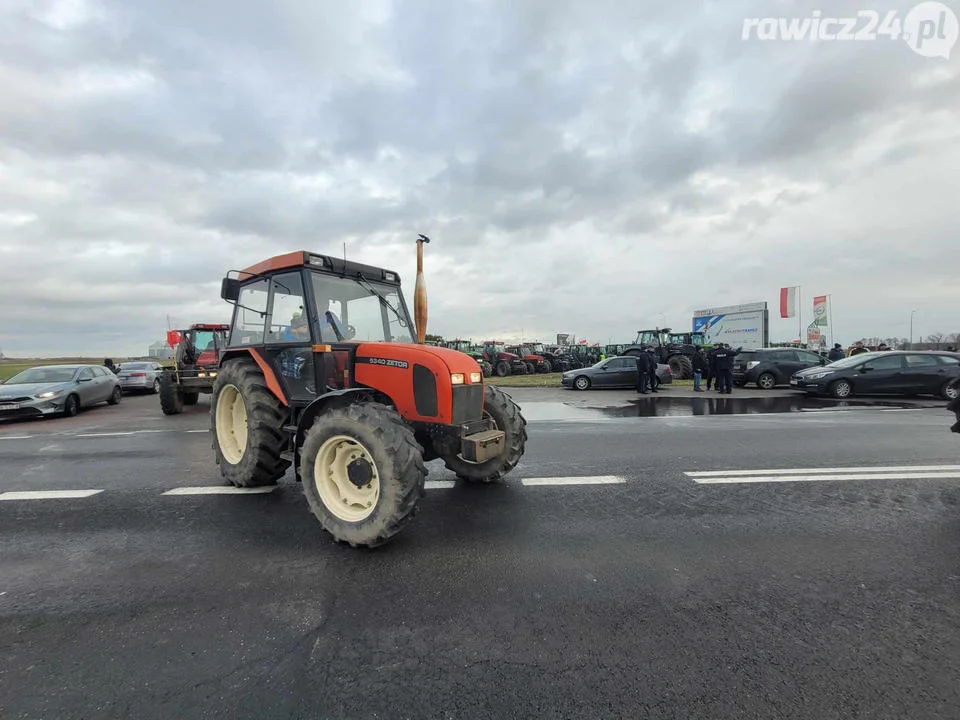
<point x="231" y="424"/>
<point x="843" y="389"/>
<point x="952" y="392"/>
<point x="766" y="382"/>
<point x="581" y="383"/>
<point x="330" y="476"/>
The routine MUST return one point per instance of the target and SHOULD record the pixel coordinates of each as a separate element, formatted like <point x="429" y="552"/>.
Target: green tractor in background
<point x="467" y="347"/>
<point x="674" y="349"/>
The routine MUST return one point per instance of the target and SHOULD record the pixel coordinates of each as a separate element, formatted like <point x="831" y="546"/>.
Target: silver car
<point x="57" y="390"/>
<point x="140" y="375"/>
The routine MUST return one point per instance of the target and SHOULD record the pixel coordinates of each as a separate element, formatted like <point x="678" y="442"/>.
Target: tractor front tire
<point x="362" y="473"/>
<point x="246" y="421"/>
<point x="681" y="367"/>
<point x="190" y="397"/>
<point x="499" y="407"/>
<point x="545" y="367"/>
<point x="171" y="398"/>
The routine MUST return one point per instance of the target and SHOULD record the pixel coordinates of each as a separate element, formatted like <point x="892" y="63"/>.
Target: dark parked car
<point x="618" y="372"/>
<point x="891" y="372"/>
<point x="769" y="367"/>
<point x="58" y="390"/>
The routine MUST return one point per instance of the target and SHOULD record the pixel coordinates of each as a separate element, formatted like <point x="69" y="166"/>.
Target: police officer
<point x="652" y="368"/>
<point x="643" y="369"/>
<point x="836" y="353"/>
<point x="712" y="366"/>
<point x="724" y="359"/>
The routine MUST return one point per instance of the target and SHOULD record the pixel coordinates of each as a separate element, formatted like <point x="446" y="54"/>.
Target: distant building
<point x="161" y="351"/>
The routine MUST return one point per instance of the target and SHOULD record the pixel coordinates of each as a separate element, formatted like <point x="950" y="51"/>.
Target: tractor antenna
<point x="344" y="252"/>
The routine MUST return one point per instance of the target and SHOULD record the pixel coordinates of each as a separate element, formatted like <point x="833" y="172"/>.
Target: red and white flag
<point x="788" y="302"/>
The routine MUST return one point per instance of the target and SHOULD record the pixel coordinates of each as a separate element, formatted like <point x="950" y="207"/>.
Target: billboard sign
<point x="746" y="326"/>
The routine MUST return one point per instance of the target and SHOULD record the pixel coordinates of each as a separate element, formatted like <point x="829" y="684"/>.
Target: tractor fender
<point x="332" y="399"/>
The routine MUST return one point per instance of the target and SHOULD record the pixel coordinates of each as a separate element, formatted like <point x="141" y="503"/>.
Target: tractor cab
<point x="321" y="370"/>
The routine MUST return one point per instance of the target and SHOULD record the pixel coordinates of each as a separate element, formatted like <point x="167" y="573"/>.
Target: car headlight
<point x="456" y="378"/>
<point x="752" y="364"/>
<point x="817" y="376"/>
<point x="48" y="394"/>
<point x="476" y="377"/>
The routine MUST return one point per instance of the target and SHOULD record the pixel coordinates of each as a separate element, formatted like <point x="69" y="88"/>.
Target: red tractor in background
<point x="504" y="362"/>
<point x="196" y="357"/>
<point x="535" y="363"/>
<point x="321" y="371"/>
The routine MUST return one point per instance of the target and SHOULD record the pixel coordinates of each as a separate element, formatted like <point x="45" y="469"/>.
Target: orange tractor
<point x="196" y="358"/>
<point x="322" y="371"/>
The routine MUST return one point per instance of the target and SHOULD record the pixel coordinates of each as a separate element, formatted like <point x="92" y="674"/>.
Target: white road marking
<point x="813" y="471"/>
<point x="439" y="484"/>
<point x="220" y="490"/>
<point x="15" y="437"/>
<point x="108" y="434"/>
<point x="48" y="494"/>
<point x="196" y="431"/>
<point x="824" y="477"/>
<point x="587" y="480"/>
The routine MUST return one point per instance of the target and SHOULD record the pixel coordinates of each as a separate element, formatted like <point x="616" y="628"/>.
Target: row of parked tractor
<point x="501" y="359"/>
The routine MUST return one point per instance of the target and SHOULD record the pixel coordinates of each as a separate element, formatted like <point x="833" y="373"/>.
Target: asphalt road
<point x="689" y="565"/>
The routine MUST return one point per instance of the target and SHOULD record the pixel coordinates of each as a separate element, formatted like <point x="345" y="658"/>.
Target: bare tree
<point x="935" y="339"/>
<point x="953" y="339"/>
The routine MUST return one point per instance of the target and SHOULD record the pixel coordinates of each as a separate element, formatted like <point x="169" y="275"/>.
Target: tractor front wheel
<point x="171" y="398"/>
<point x="362" y="473"/>
<point x="246" y="421"/>
<point x="504" y="412"/>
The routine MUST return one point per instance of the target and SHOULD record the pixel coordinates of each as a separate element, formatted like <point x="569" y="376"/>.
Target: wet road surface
<point x="779" y="563"/>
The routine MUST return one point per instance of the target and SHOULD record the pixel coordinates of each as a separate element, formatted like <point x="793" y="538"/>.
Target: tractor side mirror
<point x="230" y="289"/>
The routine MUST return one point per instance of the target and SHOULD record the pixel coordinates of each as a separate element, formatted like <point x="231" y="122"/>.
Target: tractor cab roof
<point x="323" y="263"/>
<point x="215" y="327"/>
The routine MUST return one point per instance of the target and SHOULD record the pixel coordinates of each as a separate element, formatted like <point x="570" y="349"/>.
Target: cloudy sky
<point x="584" y="167"/>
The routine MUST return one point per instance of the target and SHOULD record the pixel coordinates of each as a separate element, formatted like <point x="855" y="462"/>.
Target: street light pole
<point x="912" y="312"/>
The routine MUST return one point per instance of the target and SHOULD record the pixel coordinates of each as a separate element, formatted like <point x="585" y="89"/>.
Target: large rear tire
<point x="171" y="398"/>
<point x="246" y="421"/>
<point x="502" y="369"/>
<point x="499" y="407"/>
<point x="362" y="473"/>
<point x="681" y="367"/>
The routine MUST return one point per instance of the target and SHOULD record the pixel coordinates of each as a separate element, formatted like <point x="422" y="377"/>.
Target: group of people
<point x="717" y="367"/>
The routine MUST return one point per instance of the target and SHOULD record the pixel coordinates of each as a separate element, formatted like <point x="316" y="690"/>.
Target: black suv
<point x="769" y="367"/>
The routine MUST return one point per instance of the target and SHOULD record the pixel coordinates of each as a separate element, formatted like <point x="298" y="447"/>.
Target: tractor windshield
<point x="538" y="349"/>
<point x="364" y="311"/>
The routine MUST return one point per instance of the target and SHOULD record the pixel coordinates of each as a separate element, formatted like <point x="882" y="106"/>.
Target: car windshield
<point x="43" y="375"/>
<point x="855" y="359"/>
<point x="361" y="310"/>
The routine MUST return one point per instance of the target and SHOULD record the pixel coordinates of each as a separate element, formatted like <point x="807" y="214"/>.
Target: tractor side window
<point x="248" y="321"/>
<point x="288" y="321"/>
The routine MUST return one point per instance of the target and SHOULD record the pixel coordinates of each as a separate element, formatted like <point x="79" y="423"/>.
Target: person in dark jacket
<point x="700" y="368"/>
<point x="724" y="358"/>
<point x="836" y="353"/>
<point x="652" y="368"/>
<point x="858" y="348"/>
<point x="712" y="366"/>
<point x="643" y="369"/>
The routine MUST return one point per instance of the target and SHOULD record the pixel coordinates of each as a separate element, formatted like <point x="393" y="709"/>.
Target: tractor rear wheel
<point x="502" y="369"/>
<point x="171" y="398"/>
<point x="499" y="407"/>
<point x="246" y="421"/>
<point x="362" y="473"/>
<point x="544" y="367"/>
<point x="681" y="367"/>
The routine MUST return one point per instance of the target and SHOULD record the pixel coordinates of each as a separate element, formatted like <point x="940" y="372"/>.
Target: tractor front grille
<point x="467" y="403"/>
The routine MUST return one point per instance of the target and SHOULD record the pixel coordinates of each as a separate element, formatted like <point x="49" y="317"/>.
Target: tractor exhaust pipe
<point x="420" y="294"/>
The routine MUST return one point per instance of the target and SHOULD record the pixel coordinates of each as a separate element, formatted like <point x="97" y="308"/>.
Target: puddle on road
<point x="686" y="407"/>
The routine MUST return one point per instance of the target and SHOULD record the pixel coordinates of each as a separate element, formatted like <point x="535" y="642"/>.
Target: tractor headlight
<point x="201" y="374"/>
<point x="476" y="377"/>
<point x="456" y="378"/>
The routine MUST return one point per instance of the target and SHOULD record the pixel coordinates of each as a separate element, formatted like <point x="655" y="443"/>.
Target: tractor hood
<point x="396" y="354"/>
